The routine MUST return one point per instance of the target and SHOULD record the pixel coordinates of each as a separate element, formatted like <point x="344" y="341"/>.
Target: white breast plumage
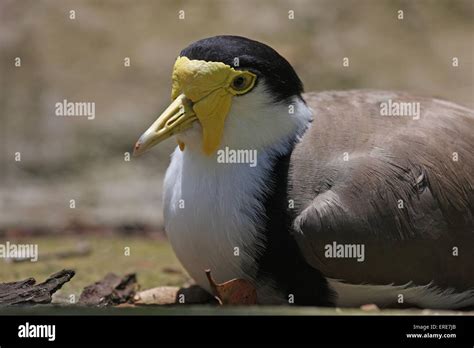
<point x="211" y="213"/>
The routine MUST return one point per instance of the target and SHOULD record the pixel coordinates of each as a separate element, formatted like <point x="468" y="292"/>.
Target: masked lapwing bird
<point x="337" y="198"/>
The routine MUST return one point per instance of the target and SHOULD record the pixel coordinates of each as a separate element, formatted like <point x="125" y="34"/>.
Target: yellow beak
<point x="177" y="117"/>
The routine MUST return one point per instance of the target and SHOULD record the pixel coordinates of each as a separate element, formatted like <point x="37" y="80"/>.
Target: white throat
<point x="213" y="210"/>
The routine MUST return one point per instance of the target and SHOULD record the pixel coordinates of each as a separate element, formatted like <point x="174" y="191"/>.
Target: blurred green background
<point x="82" y="60"/>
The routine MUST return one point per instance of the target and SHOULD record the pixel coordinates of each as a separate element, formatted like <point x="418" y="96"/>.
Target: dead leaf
<point x="162" y="295"/>
<point x="166" y="295"/>
<point x="233" y="292"/>
<point x="369" y="307"/>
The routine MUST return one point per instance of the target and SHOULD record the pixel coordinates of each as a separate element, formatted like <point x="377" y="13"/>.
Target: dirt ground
<point x="153" y="260"/>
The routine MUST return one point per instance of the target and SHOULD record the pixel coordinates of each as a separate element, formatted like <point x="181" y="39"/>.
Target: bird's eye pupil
<point x="239" y="82"/>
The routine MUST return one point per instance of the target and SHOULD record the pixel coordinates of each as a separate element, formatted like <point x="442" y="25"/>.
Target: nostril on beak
<point x="170" y="122"/>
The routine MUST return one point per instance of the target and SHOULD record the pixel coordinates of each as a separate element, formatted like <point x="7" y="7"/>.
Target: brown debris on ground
<point x="163" y="295"/>
<point x="370" y="307"/>
<point x="110" y="291"/>
<point x="27" y="292"/>
<point x="233" y="292"/>
<point x="170" y="295"/>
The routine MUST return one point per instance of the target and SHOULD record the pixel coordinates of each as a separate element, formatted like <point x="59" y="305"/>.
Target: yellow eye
<point x="243" y="83"/>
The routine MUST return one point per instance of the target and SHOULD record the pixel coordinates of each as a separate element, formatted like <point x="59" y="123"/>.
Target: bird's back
<point x="398" y="181"/>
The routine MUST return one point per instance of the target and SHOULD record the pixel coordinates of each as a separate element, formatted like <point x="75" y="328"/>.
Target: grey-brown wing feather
<point x="400" y="186"/>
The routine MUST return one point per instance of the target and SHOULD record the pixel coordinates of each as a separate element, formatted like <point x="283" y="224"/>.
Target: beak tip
<point x="136" y="150"/>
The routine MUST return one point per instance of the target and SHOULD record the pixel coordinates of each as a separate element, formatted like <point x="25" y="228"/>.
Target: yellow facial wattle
<point x="202" y="91"/>
<point x="209" y="86"/>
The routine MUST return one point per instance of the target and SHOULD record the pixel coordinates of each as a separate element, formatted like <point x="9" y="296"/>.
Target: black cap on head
<point x="280" y="77"/>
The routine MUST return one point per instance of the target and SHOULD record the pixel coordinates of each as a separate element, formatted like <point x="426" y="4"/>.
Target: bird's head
<point x="229" y="91"/>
